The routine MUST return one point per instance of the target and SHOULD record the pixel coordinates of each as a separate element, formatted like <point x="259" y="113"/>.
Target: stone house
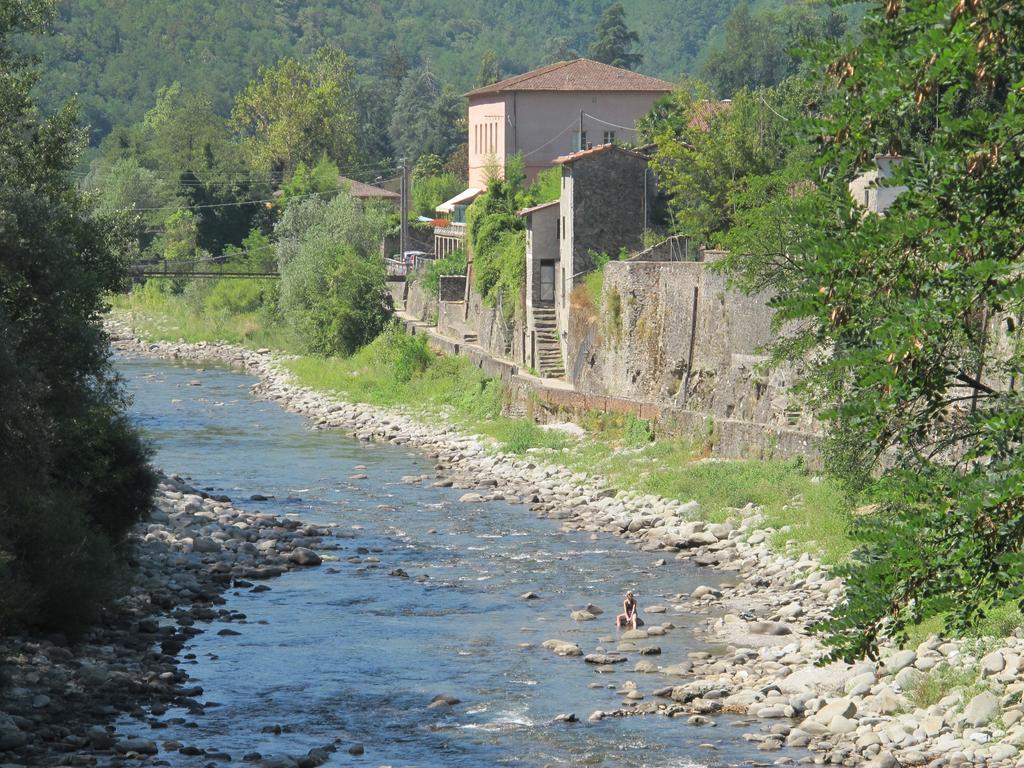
<point x="607" y="196"/>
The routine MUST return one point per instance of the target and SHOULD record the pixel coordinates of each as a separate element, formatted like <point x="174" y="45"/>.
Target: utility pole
<point x="403" y="236"/>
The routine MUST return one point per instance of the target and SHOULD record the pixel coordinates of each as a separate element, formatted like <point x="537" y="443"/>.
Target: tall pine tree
<point x="614" y="41"/>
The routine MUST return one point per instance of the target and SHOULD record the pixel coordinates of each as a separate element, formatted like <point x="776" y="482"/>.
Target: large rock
<point x="562" y="647"/>
<point x="909" y="678"/>
<point x="603" y="658"/>
<point x="837" y="708"/>
<point x="770" y="628"/>
<point x="303" y="556"/>
<point x="982" y="709"/>
<point x="140" y="746"/>
<point x="205" y="545"/>
<point x="11" y="737"/>
<point x="992" y="664"/>
<point x="582" y="616"/>
<point x="900" y="660"/>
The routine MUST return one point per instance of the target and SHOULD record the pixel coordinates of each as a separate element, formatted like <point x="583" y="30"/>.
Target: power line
<point x="551" y="140"/>
<point x="771" y="108"/>
<point x="613" y="125"/>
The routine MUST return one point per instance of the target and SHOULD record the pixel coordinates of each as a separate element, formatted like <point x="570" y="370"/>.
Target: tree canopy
<point x="73" y="472"/>
<point x="614" y="41"/>
<point x="297" y="111"/>
<point x="910" y="320"/>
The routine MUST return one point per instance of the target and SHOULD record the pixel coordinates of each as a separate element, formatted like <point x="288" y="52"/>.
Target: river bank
<point x="60" y="698"/>
<point x="877" y="713"/>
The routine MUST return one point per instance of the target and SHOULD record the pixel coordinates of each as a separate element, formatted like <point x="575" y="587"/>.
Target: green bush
<point x="234" y="296"/>
<point x="636" y="432"/>
<point x="429" y="192"/>
<point x="333" y="294"/>
<point x="500" y="271"/>
<point x="520" y="435"/>
<point x="401" y="353"/>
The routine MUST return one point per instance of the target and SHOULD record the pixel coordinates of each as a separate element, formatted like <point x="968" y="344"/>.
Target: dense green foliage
<point x="452" y="264"/>
<point x="497" y="233"/>
<point x="614" y="41"/>
<point x="116" y="55"/>
<point x="73" y="472"/>
<point x="333" y="294"/>
<point x="706" y="150"/>
<point x="761" y="49"/>
<point x="298" y="111"/>
<point x="920" y="308"/>
<point x="427" y="117"/>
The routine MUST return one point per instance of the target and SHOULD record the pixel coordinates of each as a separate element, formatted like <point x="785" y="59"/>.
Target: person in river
<point x="629" y="613"/>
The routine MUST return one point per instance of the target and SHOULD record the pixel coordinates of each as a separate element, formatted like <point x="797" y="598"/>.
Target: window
<point x="609" y="137"/>
<point x="558" y="230"/>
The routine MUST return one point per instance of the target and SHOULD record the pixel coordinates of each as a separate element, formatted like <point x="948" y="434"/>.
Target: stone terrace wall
<point x="672" y="334"/>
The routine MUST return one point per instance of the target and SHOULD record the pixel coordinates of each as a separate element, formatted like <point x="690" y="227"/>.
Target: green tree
<point x="762" y="49"/>
<point x="124" y="186"/>
<point x="919" y="309"/>
<point x="333" y="290"/>
<point x="558" y="49"/>
<point x="706" y="148"/>
<point x="490" y="70"/>
<point x="614" y="41"/>
<point x="297" y="111"/>
<point x="322" y="179"/>
<point x="73" y="473"/>
<point x="428" y="118"/>
<point x="374" y="102"/>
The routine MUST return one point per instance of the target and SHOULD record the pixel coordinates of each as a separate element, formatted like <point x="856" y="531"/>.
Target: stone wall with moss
<point x="673" y="334"/>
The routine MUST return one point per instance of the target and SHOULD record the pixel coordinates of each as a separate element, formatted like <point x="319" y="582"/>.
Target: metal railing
<point x="403" y="267"/>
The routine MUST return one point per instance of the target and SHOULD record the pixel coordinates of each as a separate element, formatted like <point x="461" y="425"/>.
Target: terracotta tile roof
<point x="598" y="150"/>
<point x="532" y="209"/>
<point x="361" y="190"/>
<point x="577" y="75"/>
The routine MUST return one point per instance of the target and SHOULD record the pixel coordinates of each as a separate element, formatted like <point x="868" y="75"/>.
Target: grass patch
<point x="159" y="316"/>
<point x="811" y="512"/>
<point x="942" y="680"/>
<point x="999" y="621"/>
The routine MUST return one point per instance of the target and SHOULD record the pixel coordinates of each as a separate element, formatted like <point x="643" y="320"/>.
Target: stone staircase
<point x="549" y="348"/>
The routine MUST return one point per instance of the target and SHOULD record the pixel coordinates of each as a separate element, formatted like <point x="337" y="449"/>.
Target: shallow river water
<point x="346" y="651"/>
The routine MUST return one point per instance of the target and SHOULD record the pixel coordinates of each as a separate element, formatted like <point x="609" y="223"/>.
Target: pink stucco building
<point x="553" y="111"/>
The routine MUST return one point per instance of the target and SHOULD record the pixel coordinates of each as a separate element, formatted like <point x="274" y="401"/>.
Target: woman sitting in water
<point x="629" y="612"/>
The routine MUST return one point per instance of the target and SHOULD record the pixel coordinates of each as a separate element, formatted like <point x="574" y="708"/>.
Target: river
<point x="348" y="652"/>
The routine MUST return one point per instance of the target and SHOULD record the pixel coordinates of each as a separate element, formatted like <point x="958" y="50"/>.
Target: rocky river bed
<point x="755" y="672"/>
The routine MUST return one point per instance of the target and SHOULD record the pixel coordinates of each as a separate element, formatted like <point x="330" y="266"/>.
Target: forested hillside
<point x="115" y="54"/>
